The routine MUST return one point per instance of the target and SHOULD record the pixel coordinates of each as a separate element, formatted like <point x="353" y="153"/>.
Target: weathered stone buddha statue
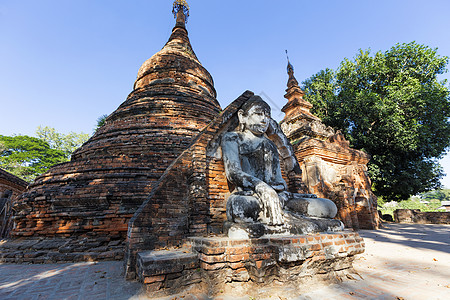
<point x="260" y="203"/>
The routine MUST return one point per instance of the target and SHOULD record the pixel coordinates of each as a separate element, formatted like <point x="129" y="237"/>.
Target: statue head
<point x="254" y="116"/>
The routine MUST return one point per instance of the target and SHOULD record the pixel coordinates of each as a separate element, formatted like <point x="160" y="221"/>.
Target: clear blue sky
<point x="65" y="63"/>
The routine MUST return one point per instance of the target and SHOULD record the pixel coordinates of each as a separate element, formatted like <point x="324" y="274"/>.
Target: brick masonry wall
<point x="57" y="250"/>
<point x="218" y="253"/>
<point x="333" y="170"/>
<point x="218" y="192"/>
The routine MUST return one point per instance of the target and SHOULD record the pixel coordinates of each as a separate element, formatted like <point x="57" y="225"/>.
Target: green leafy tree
<point x="392" y="106"/>
<point x="27" y="157"/>
<point x="64" y="142"/>
<point x="441" y="195"/>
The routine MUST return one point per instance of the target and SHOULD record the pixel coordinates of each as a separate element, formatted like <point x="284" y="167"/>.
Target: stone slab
<point x="166" y="261"/>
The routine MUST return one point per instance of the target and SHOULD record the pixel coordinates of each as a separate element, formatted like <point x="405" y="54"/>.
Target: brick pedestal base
<point x="215" y="265"/>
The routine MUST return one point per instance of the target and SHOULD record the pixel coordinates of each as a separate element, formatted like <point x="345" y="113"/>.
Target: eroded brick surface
<point x="53" y="250"/>
<point x="10" y="185"/>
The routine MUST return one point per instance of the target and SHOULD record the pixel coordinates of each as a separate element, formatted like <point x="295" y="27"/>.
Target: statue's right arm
<point x="284" y="146"/>
<point x="232" y="163"/>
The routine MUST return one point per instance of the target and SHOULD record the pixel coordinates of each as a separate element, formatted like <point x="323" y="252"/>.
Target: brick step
<point x="168" y="271"/>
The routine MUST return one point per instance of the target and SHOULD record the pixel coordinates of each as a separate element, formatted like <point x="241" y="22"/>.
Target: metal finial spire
<point x="292" y="82"/>
<point x="180" y="5"/>
<point x="289" y="66"/>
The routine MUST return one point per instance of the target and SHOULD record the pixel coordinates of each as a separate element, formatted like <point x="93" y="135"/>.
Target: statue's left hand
<point x="279" y="187"/>
<point x="272" y="211"/>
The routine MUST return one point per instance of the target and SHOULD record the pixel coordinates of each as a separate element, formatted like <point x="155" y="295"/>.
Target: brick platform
<point x="400" y="260"/>
<point x="52" y="250"/>
<point x="219" y="264"/>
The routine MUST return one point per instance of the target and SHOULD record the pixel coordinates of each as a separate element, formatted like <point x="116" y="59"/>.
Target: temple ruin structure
<point x="150" y="187"/>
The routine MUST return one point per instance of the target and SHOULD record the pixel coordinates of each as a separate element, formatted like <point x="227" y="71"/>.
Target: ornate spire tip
<point x="180" y="5"/>
<point x="289" y="66"/>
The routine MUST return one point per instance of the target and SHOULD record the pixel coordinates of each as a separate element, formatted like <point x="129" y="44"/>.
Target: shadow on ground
<point x="424" y="236"/>
<point x="86" y="280"/>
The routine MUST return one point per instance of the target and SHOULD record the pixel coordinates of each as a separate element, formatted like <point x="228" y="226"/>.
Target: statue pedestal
<point x="216" y="265"/>
<point x="294" y="225"/>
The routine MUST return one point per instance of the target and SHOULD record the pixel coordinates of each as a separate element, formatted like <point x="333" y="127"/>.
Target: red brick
<point x="259" y="264"/>
<point x="236" y="265"/>
<point x="215" y="266"/>
<point x="238" y="257"/>
<point x="315" y="247"/>
<point x="237" y="250"/>
<point x="152" y="279"/>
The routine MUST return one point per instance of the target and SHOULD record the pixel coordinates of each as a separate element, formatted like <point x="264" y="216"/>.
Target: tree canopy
<point x="392" y="106"/>
<point x="28" y="157"/>
<point x="441" y="195"/>
<point x="64" y="142"/>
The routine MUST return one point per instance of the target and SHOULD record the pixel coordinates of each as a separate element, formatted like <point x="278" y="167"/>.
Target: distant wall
<point x="416" y="216"/>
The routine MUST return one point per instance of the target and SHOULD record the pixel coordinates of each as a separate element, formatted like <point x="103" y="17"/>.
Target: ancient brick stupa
<point x="330" y="167"/>
<point x="97" y="192"/>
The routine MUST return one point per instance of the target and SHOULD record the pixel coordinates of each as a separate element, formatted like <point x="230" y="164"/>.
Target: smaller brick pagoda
<point x="330" y="167"/>
<point x="11" y="186"/>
